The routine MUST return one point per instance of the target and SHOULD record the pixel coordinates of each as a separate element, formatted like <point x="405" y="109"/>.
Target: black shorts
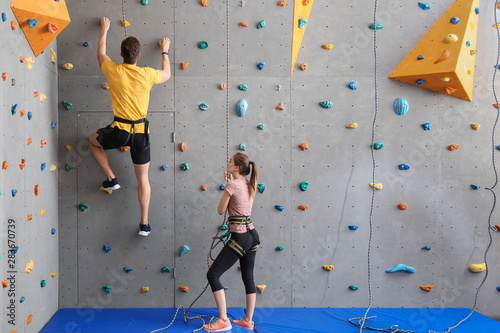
<point x="115" y="138"/>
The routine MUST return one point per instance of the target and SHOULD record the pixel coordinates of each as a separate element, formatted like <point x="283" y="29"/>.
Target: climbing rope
<point x="123" y="16"/>
<point x="392" y="329"/>
<point x="224" y="221"/>
<point x="490" y="227"/>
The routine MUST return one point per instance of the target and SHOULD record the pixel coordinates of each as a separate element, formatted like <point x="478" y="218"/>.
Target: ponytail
<point x="243" y="162"/>
<point x="253" y="180"/>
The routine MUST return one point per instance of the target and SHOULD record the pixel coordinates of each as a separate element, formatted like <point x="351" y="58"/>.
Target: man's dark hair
<point x="130" y="50"/>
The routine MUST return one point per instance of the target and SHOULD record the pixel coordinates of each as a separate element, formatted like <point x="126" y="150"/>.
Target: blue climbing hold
<point x="426" y="126"/>
<point x="86" y="44"/>
<point x="401" y="268"/>
<point x="326" y="104"/>
<point x="353" y="85"/>
<point x="13" y="110"/>
<point x="420" y="57"/>
<point x="302" y="23"/>
<point x="475" y="187"/>
<point x="403" y="166"/>
<point x="53" y="231"/>
<point x="222" y="187"/>
<point x="279" y="207"/>
<point x="106" y="248"/>
<point x="225" y="288"/>
<point x="353" y="227"/>
<point x="14" y="250"/>
<point x="400" y="106"/>
<point x="241" y="107"/>
<point x="164" y="167"/>
<point x="185" y="166"/>
<point x="420" y="82"/>
<point x="424" y="6"/>
<point x="243" y="146"/>
<point x="30" y="115"/>
<point x="261" y="65"/>
<point x="14" y="192"/>
<point x="184" y="249"/>
<point x="21" y="299"/>
<point x="498" y="288"/>
<point x="467" y="44"/>
<point x="455" y="20"/>
<point x="53" y="124"/>
<point x="4" y="17"/>
<point x="127" y="270"/>
<point x="427" y="247"/>
<point x="261" y="126"/>
<point x="261" y="188"/>
<point x="42" y="166"/>
<point x="32" y="23"/>
<point x="203" y="106"/>
<point x="477" y="10"/>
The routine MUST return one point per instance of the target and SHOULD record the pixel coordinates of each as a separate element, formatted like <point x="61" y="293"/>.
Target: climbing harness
<point x="235" y="246"/>
<point x="132" y="129"/>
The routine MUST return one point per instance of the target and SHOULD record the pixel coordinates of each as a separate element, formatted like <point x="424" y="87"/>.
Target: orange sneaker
<point x="243" y="323"/>
<point x="218" y="325"/>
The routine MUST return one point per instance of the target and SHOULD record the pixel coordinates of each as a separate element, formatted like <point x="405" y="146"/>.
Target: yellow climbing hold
<point x="477" y="268"/>
<point x="352" y="126"/>
<point x="53" y="274"/>
<point x="125" y="23"/>
<point x="102" y="189"/>
<point x="261" y="288"/>
<point x="53" y="167"/>
<point x="53" y="56"/>
<point x="29" y="62"/>
<point x="378" y="186"/>
<point x="29" y="267"/>
<point x="144" y="289"/>
<point x="43" y="97"/>
<point x="105" y="86"/>
<point x="328" y="46"/>
<point x="444" y="79"/>
<point x="42" y="212"/>
<point x="67" y="66"/>
<point x="475" y="126"/>
<point x="328" y="267"/>
<point x="68" y="147"/>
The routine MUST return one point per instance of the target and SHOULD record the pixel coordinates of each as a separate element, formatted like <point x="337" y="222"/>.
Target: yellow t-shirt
<point x="129" y="88"/>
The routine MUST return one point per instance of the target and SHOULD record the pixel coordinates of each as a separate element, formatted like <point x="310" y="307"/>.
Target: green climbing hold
<point x="279" y="248"/>
<point x="43" y="283"/>
<point x="304" y="185"/>
<point x="83" y="207"/>
<point x="378" y="145"/>
<point x="261" y="187"/>
<point x="223" y="227"/>
<point x="185" y="166"/>
<point x="302" y="23"/>
<point x="165" y="269"/>
<point x="69" y="167"/>
<point x="261" y="24"/>
<point x="67" y="105"/>
<point x="326" y="104"/>
<point x="107" y="289"/>
<point x="261" y="126"/>
<point x="203" y="45"/>
<point x="376" y="26"/>
<point x="353" y="287"/>
<point x="204" y="106"/>
<point x="243" y="87"/>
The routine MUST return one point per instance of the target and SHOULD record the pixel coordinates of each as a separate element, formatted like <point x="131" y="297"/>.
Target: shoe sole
<point x="144" y="233"/>
<point x="250" y="328"/>
<point x="221" y="330"/>
<point x="117" y="186"/>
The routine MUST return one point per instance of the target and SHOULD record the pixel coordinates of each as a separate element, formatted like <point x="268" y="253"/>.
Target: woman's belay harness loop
<point x="238" y="248"/>
<point x="132" y="130"/>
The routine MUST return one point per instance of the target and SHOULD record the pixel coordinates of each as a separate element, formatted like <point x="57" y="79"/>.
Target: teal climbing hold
<point x="376" y="26"/>
<point x="241" y="107"/>
<point x="401" y="268"/>
<point x="107" y="289"/>
<point x="83" y="207"/>
<point x="223" y="227"/>
<point x="353" y="287"/>
<point x="400" y="106"/>
<point x="304" y="185"/>
<point x="302" y="23"/>
<point x="204" y="106"/>
<point x="67" y="105"/>
<point x="43" y="283"/>
<point x="165" y="269"/>
<point x="144" y="2"/>
<point x="184" y="249"/>
<point x="185" y="166"/>
<point x="68" y="167"/>
<point x="261" y="126"/>
<point x="326" y="104"/>
<point x="243" y="87"/>
<point x="243" y="146"/>
<point x="261" y="187"/>
<point x="261" y="24"/>
<point x="202" y="45"/>
<point x="279" y="248"/>
<point x="378" y="145"/>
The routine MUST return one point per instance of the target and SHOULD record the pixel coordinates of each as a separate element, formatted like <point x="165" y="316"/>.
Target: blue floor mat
<point x="270" y="320"/>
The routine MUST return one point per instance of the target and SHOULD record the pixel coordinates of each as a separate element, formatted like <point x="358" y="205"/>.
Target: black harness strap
<point x="132" y="130"/>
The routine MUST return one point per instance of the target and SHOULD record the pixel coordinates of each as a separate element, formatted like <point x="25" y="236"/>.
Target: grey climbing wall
<point x="26" y="219"/>
<point x="444" y="212"/>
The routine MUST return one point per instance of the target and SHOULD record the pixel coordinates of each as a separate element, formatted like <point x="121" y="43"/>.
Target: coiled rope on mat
<point x="394" y="329"/>
<point x="224" y="221"/>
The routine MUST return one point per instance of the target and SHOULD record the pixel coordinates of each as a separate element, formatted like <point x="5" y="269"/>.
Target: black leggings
<point x="227" y="257"/>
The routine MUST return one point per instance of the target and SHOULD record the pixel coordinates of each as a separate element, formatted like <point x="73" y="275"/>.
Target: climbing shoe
<point x="110" y="185"/>
<point x="144" y="229"/>
<point x="218" y="325"/>
<point x="243" y="323"/>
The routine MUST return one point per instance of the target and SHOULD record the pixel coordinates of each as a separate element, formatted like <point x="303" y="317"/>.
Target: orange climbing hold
<point x="304" y="146"/>
<point x="52" y="28"/>
<point x="30" y="217"/>
<point x="30" y="318"/>
<point x="30" y="141"/>
<point x="403" y="206"/>
<point x="304" y="207"/>
<point x="222" y="86"/>
<point x="4" y="76"/>
<point x="35" y="93"/>
<point x="5" y="284"/>
<point x="23" y="163"/>
<point x="427" y="288"/>
<point x="13" y="25"/>
<point x="450" y="90"/>
<point x="184" y="65"/>
<point x="242" y="24"/>
<point x="22" y="59"/>
<point x="21" y="112"/>
<point x="37" y="189"/>
<point x="282" y="3"/>
<point x="453" y="147"/>
<point x="280" y="107"/>
<point x="305" y="2"/>
<point x="303" y="66"/>
<point x="5" y="165"/>
<point x="183" y="146"/>
<point x="443" y="57"/>
<point x="125" y="148"/>
<point x="43" y="143"/>
<point x="184" y="288"/>
<point x="204" y="187"/>
<point x="204" y="3"/>
<point x="497" y="226"/>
